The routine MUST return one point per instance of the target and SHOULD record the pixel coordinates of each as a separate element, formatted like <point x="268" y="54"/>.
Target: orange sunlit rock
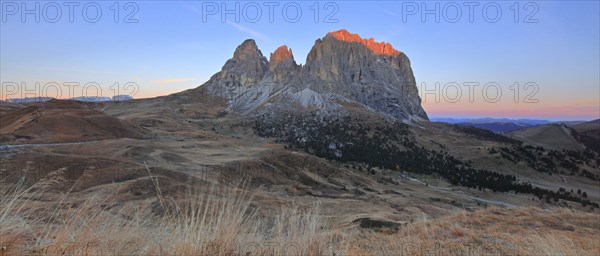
<point x="381" y="48"/>
<point x="282" y="53"/>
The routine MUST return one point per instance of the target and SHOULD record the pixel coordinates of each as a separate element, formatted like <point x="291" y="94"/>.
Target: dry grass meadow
<point x="225" y="222"/>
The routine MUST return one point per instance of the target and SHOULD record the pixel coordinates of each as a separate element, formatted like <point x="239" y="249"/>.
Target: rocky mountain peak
<point x="381" y="48"/>
<point x="282" y="58"/>
<point x="247" y="67"/>
<point x="341" y="67"/>
<point x="282" y="53"/>
<point x="248" y="50"/>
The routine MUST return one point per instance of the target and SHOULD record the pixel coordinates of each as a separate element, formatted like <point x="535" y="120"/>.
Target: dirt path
<point x="449" y="191"/>
<point x="43" y="145"/>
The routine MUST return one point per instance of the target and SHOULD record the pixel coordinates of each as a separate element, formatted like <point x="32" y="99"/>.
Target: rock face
<point x="282" y="66"/>
<point x="340" y="68"/>
<point x="380" y="48"/>
<point x="247" y="68"/>
<point x="282" y="54"/>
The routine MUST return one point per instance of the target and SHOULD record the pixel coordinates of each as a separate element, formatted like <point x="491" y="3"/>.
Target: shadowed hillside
<point x="62" y="121"/>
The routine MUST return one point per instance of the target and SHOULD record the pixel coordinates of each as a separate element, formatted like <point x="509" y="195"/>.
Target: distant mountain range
<point x="489" y="120"/>
<point x="81" y="98"/>
<point x="500" y="124"/>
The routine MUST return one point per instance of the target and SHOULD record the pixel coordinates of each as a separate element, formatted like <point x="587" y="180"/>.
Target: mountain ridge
<point x="382" y="48"/>
<point x="340" y="68"/>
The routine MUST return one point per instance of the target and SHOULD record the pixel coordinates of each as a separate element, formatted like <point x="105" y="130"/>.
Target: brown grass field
<point x="226" y="222"/>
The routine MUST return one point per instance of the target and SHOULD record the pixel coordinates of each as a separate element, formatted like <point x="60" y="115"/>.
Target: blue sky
<point x="177" y="45"/>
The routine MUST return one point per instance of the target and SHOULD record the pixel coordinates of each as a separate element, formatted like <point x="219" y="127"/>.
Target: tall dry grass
<point x="492" y="231"/>
<point x="224" y="221"/>
<point x="215" y="221"/>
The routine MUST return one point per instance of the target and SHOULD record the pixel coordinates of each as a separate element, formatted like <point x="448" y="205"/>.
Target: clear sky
<point x="550" y="48"/>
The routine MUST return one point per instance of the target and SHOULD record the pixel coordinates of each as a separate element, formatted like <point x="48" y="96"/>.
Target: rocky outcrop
<point x="282" y="54"/>
<point x="381" y="48"/>
<point x="341" y="67"/>
<point x="282" y="66"/>
<point x="383" y="82"/>
<point x="247" y="68"/>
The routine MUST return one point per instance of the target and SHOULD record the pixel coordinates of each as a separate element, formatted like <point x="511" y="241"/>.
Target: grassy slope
<point x="220" y="221"/>
<point x="549" y="136"/>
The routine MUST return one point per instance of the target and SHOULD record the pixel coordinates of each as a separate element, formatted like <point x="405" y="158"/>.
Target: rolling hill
<point x="60" y="121"/>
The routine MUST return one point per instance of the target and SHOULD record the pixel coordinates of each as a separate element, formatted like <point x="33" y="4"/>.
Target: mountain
<point x="29" y="99"/>
<point x="341" y="69"/>
<point x="91" y="98"/>
<point x="498" y="127"/>
<point x="264" y="140"/>
<point x="122" y="98"/>
<point x="80" y="98"/>
<point x="494" y="124"/>
<point x="483" y="120"/>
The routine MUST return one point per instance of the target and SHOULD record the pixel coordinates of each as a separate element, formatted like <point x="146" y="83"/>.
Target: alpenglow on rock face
<point x="340" y="68"/>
